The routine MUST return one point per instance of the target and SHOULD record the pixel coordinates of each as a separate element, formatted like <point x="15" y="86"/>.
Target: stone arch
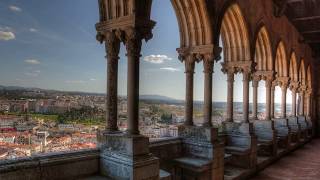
<point x="309" y="77"/>
<point x="234" y="35"/>
<point x="281" y="61"/>
<point x="263" y="52"/>
<point x="194" y="22"/>
<point x="293" y="69"/>
<point x="302" y="73"/>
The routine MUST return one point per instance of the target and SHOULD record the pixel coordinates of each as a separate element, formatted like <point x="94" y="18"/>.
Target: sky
<point x="51" y="44"/>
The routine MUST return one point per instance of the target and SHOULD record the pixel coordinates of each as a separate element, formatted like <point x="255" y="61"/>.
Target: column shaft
<point x="268" y="100"/>
<point x="189" y="66"/>
<point x="133" y="45"/>
<point x="294" y="103"/>
<point x="245" y="96"/>
<point x="255" y="84"/>
<point x="272" y="102"/>
<point x="230" y="96"/>
<point x="283" y="101"/>
<point x="112" y="48"/>
<point x="302" y="103"/>
<point x="208" y="70"/>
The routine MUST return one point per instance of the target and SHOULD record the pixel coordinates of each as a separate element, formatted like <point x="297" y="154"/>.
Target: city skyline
<point x="42" y="48"/>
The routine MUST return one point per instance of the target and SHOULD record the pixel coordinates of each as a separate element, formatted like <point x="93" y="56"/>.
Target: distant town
<point x="36" y="121"/>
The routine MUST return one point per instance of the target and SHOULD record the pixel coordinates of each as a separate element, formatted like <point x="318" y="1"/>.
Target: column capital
<point x="112" y="45"/>
<point x="293" y="86"/>
<point x="133" y="41"/>
<point x="208" y="63"/>
<point x="255" y="80"/>
<point x="283" y="82"/>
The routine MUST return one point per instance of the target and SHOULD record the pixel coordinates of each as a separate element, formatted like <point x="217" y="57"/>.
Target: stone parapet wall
<point x="64" y="165"/>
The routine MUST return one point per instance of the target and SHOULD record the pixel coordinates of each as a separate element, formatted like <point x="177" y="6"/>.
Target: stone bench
<point x="310" y="126"/>
<point x="266" y="137"/>
<point x="283" y="133"/>
<point x="241" y="143"/>
<point x="303" y="127"/>
<point x="202" y="154"/>
<point x="295" y="129"/>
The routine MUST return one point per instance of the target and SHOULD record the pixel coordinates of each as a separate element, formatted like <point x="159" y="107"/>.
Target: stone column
<point x="230" y="76"/>
<point x="208" y="63"/>
<point x="112" y="45"/>
<point x="245" y="105"/>
<point x="294" y="102"/>
<point x="255" y="85"/>
<point x="308" y="108"/>
<point x="283" y="100"/>
<point x="301" y="113"/>
<point x="189" y="71"/>
<point x="272" y="101"/>
<point x="268" y="85"/>
<point x="133" y="45"/>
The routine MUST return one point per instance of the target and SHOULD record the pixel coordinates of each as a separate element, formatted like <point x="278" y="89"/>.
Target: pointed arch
<point x="293" y="69"/>
<point x="263" y="53"/>
<point x="234" y="34"/>
<point x="281" y="61"/>
<point x="309" y="77"/>
<point x="194" y="22"/>
<point x="302" y="73"/>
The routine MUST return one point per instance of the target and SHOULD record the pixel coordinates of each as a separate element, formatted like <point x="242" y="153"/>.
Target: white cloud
<point x="32" y="61"/>
<point x="75" y="82"/>
<point x="93" y="79"/>
<point x="33" y="30"/>
<point x="15" y="8"/>
<point x="171" y="69"/>
<point x="157" y="59"/>
<point x="6" y="35"/>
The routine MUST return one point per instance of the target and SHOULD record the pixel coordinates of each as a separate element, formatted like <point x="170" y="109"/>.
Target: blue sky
<point x="51" y="44"/>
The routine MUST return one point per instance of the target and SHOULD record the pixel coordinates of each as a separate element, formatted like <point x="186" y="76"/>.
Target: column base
<point x="127" y="157"/>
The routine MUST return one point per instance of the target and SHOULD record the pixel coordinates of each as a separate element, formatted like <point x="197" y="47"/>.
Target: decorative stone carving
<point x="208" y="63"/>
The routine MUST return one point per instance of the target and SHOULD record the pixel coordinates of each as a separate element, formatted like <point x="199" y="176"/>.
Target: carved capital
<point x="217" y="53"/>
<point x="208" y="63"/>
<point x="112" y="45"/>
<point x="133" y="42"/>
<point x="293" y="86"/>
<point x="189" y="63"/>
<point x="255" y="80"/>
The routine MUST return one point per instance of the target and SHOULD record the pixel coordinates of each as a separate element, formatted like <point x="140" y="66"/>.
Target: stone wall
<point x="166" y="150"/>
<point x="64" y="165"/>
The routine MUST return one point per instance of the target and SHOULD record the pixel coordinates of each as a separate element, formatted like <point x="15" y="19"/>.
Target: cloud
<point x="93" y="79"/>
<point x="34" y="73"/>
<point x="171" y="69"/>
<point x="6" y="35"/>
<point x="32" y="61"/>
<point x="15" y="8"/>
<point x="33" y="30"/>
<point x="75" y="82"/>
<point x="157" y="59"/>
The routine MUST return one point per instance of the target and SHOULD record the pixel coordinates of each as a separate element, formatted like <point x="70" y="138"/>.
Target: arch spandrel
<point x="235" y="35"/>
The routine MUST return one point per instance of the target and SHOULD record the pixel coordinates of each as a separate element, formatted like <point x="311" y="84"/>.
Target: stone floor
<point x="302" y="164"/>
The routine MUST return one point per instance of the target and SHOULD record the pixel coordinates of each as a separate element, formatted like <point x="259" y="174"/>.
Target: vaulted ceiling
<point x="305" y="16"/>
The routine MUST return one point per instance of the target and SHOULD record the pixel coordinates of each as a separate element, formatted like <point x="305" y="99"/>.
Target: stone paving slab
<point x="302" y="164"/>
